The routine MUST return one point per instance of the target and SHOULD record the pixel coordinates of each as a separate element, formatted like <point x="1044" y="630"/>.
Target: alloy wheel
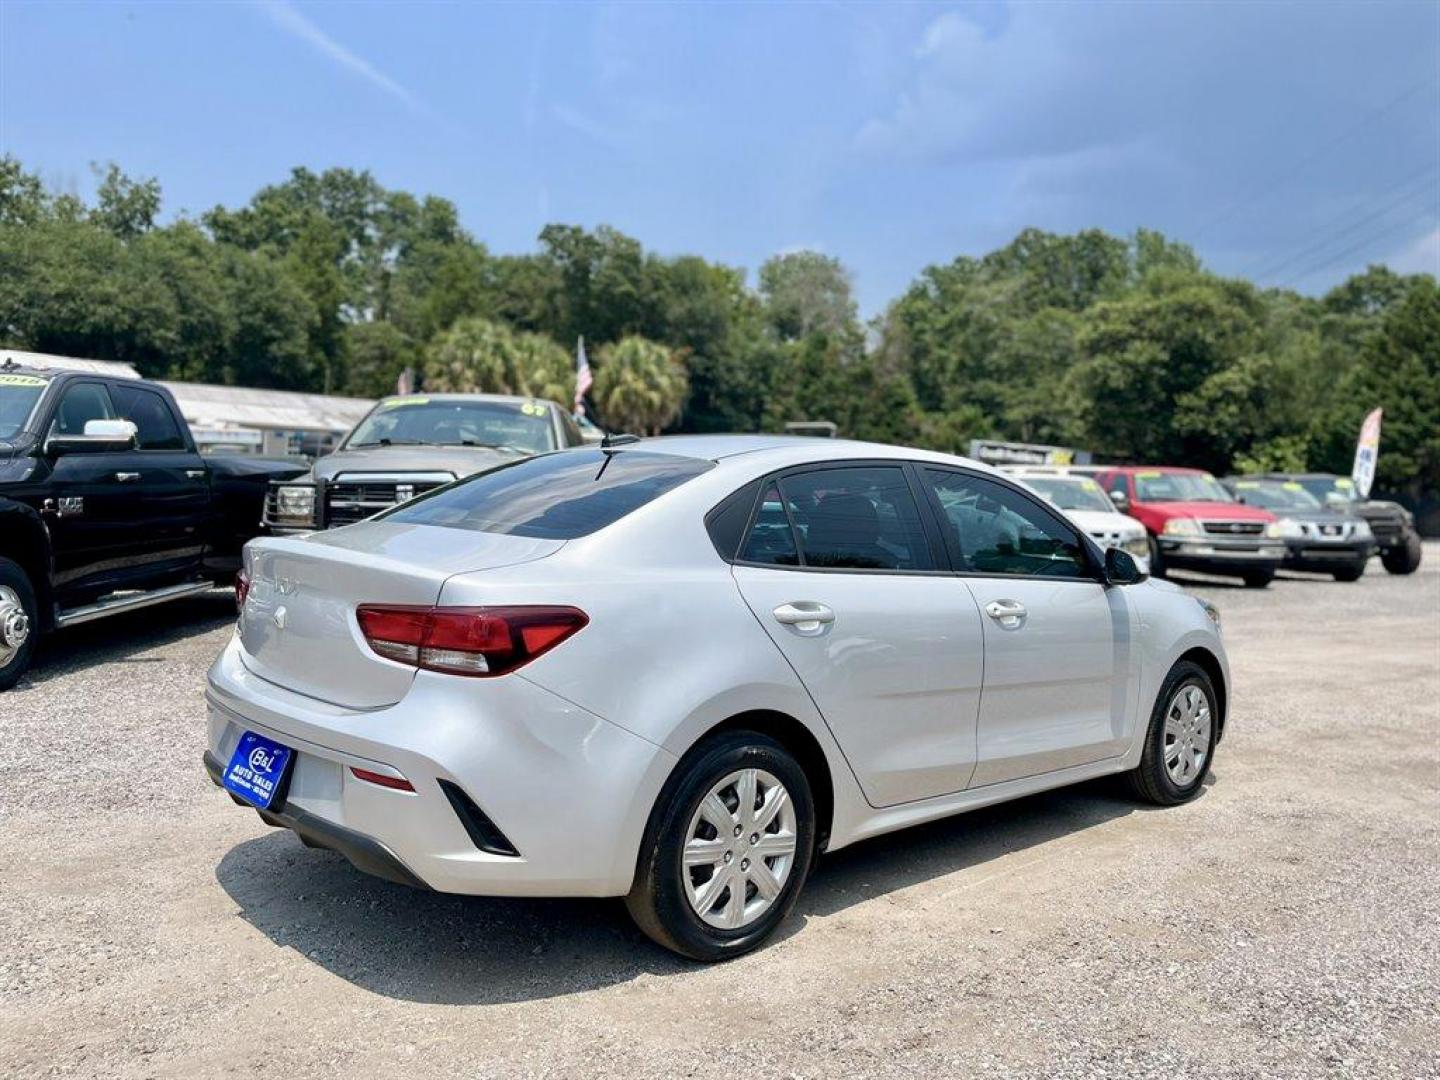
<point x="739" y="849"/>
<point x="14" y="624"/>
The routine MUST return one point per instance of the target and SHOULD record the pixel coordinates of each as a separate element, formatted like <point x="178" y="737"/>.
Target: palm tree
<point x="640" y="386"/>
<point x="474" y="356"/>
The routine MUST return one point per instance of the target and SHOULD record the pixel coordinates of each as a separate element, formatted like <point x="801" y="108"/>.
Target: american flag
<point x="583" y="379"/>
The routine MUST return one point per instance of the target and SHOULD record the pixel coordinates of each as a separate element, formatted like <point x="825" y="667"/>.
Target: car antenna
<point x="609" y="442"/>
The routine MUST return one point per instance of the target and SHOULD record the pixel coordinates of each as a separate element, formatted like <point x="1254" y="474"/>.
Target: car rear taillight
<point x="242" y="589"/>
<point x="478" y="641"/>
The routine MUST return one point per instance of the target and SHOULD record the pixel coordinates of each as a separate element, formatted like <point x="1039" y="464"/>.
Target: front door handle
<point x="804" y="616"/>
<point x="1008" y="613"/>
<point x="127" y="477"/>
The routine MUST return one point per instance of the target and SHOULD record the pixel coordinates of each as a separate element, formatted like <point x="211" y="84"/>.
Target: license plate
<point x="256" y="769"/>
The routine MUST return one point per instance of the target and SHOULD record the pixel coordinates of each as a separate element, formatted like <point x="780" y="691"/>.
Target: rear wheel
<point x="727" y="849"/>
<point x="1350" y="573"/>
<point x="1181" y="739"/>
<point x="1259" y="579"/>
<point x="1404" y="559"/>
<point x="19" y="623"/>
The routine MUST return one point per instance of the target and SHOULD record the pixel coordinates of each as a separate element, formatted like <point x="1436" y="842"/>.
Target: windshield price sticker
<point x="21" y="380"/>
<point x="530" y="408"/>
<point x="1248" y="484"/>
<point x="1089" y="485"/>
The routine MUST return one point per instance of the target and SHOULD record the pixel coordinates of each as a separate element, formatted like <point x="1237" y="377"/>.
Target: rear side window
<point x="555" y="496"/>
<point x="852" y="518"/>
<point x="152" y="417"/>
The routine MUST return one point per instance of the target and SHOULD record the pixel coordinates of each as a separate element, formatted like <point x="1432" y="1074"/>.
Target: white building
<point x="236" y="419"/>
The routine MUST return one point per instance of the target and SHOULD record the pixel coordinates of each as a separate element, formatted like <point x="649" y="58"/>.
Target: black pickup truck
<point x="106" y="506"/>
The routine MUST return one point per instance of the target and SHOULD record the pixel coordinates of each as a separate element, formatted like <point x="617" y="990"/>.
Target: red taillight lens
<point x="395" y="783"/>
<point x="242" y="589"/>
<point x="477" y="641"/>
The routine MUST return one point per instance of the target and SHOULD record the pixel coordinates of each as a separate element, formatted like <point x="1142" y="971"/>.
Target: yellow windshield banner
<point x="1153" y="474"/>
<point x="395" y="403"/>
<point x="20" y="380"/>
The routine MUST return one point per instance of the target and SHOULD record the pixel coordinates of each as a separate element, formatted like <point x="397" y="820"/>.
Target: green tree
<point x="804" y="292"/>
<point x="640" y="386"/>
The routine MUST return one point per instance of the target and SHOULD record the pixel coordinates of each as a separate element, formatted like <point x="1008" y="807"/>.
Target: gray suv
<point x="406" y="446"/>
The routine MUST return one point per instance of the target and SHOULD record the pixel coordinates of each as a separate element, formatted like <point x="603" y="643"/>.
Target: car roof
<point x="1160" y="468"/>
<point x="780" y="451"/>
<point x="506" y="399"/>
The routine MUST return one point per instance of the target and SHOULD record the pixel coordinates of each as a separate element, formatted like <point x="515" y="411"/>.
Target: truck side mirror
<point x="100" y="436"/>
<point x="1121" y="501"/>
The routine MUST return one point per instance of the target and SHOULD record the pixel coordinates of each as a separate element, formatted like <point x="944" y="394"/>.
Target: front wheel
<point x="1350" y="573"/>
<point x="1406" y="559"/>
<point x="1259" y="579"/>
<point x="727" y="849"/>
<point x="19" y="623"/>
<point x="1157" y="562"/>
<point x="1181" y="739"/>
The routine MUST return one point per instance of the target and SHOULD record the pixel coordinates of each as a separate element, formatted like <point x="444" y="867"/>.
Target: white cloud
<point x="287" y="18"/>
<point x="1420" y="256"/>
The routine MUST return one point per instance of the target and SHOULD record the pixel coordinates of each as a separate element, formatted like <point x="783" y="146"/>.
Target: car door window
<point x="852" y="518"/>
<point x="995" y="529"/>
<point x="148" y="411"/>
<point x="771" y="542"/>
<point x="80" y="404"/>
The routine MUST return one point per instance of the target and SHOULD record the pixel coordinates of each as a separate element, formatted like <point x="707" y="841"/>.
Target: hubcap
<point x="739" y="849"/>
<point x="14" y="624"/>
<point x="1187" y="735"/>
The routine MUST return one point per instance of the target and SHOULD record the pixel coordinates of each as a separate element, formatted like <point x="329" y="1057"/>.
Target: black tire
<point x="1259" y="579"/>
<point x="1404" y="560"/>
<point x="658" y="902"/>
<point x="1351" y="573"/>
<point x="1157" y="561"/>
<point x="15" y="579"/>
<point x="1149" y="780"/>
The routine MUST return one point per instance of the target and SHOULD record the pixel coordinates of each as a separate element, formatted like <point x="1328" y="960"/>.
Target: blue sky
<point x="1289" y="142"/>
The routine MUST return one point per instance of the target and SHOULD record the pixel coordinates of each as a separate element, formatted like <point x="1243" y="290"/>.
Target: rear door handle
<point x="804" y="616"/>
<point x="1008" y="613"/>
<point x="127" y="477"/>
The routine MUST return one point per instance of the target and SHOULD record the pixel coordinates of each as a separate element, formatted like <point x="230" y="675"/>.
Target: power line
<point x="1290" y="171"/>
<point x="1427" y="175"/>
<point x="1367" y="242"/>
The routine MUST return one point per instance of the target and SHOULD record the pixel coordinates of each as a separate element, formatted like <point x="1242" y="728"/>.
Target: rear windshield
<point x="555" y="496"/>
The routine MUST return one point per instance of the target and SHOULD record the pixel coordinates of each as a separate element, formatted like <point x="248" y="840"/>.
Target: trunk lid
<point x="298" y="627"/>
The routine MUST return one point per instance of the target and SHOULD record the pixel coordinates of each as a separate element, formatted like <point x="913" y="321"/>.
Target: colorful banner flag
<point x="1367" y="451"/>
<point x="583" y="378"/>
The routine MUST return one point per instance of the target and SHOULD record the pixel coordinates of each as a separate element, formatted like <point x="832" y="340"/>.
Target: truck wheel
<point x="19" y="623"/>
<point x="1350" y="573"/>
<point x="1157" y="564"/>
<point x="1404" y="560"/>
<point x="1259" y="579"/>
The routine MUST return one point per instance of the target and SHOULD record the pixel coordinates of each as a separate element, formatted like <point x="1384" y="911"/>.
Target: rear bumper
<point x="1216" y="555"/>
<point x="570" y="791"/>
<point x="363" y="852"/>
<point x="1310" y="555"/>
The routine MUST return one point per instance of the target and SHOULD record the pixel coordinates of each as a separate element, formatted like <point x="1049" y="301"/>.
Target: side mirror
<point x="1122" y="569"/>
<point x="1121" y="501"/>
<point x="100" y="436"/>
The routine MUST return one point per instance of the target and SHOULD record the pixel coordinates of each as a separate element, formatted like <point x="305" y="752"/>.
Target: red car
<point x="1195" y="523"/>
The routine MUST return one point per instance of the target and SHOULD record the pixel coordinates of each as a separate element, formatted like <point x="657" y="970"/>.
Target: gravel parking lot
<point x="1285" y="924"/>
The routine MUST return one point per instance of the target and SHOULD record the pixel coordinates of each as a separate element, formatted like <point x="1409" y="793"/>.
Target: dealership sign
<point x="993" y="452"/>
<point x="1367" y="450"/>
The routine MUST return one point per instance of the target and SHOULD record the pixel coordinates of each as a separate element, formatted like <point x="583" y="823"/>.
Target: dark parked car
<point x="1396" y="538"/>
<point x="1331" y="539"/>
<point x="106" y="506"/>
<point x="406" y="446"/>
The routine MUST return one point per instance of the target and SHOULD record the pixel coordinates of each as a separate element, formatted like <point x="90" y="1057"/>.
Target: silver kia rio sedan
<point x="679" y="669"/>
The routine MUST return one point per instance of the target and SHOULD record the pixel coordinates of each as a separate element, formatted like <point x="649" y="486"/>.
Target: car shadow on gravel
<point x="117" y="639"/>
<point x="439" y="949"/>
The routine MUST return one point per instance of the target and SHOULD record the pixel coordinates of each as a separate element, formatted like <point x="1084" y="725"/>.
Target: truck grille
<point x="1233" y="528"/>
<point x="349" y="501"/>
